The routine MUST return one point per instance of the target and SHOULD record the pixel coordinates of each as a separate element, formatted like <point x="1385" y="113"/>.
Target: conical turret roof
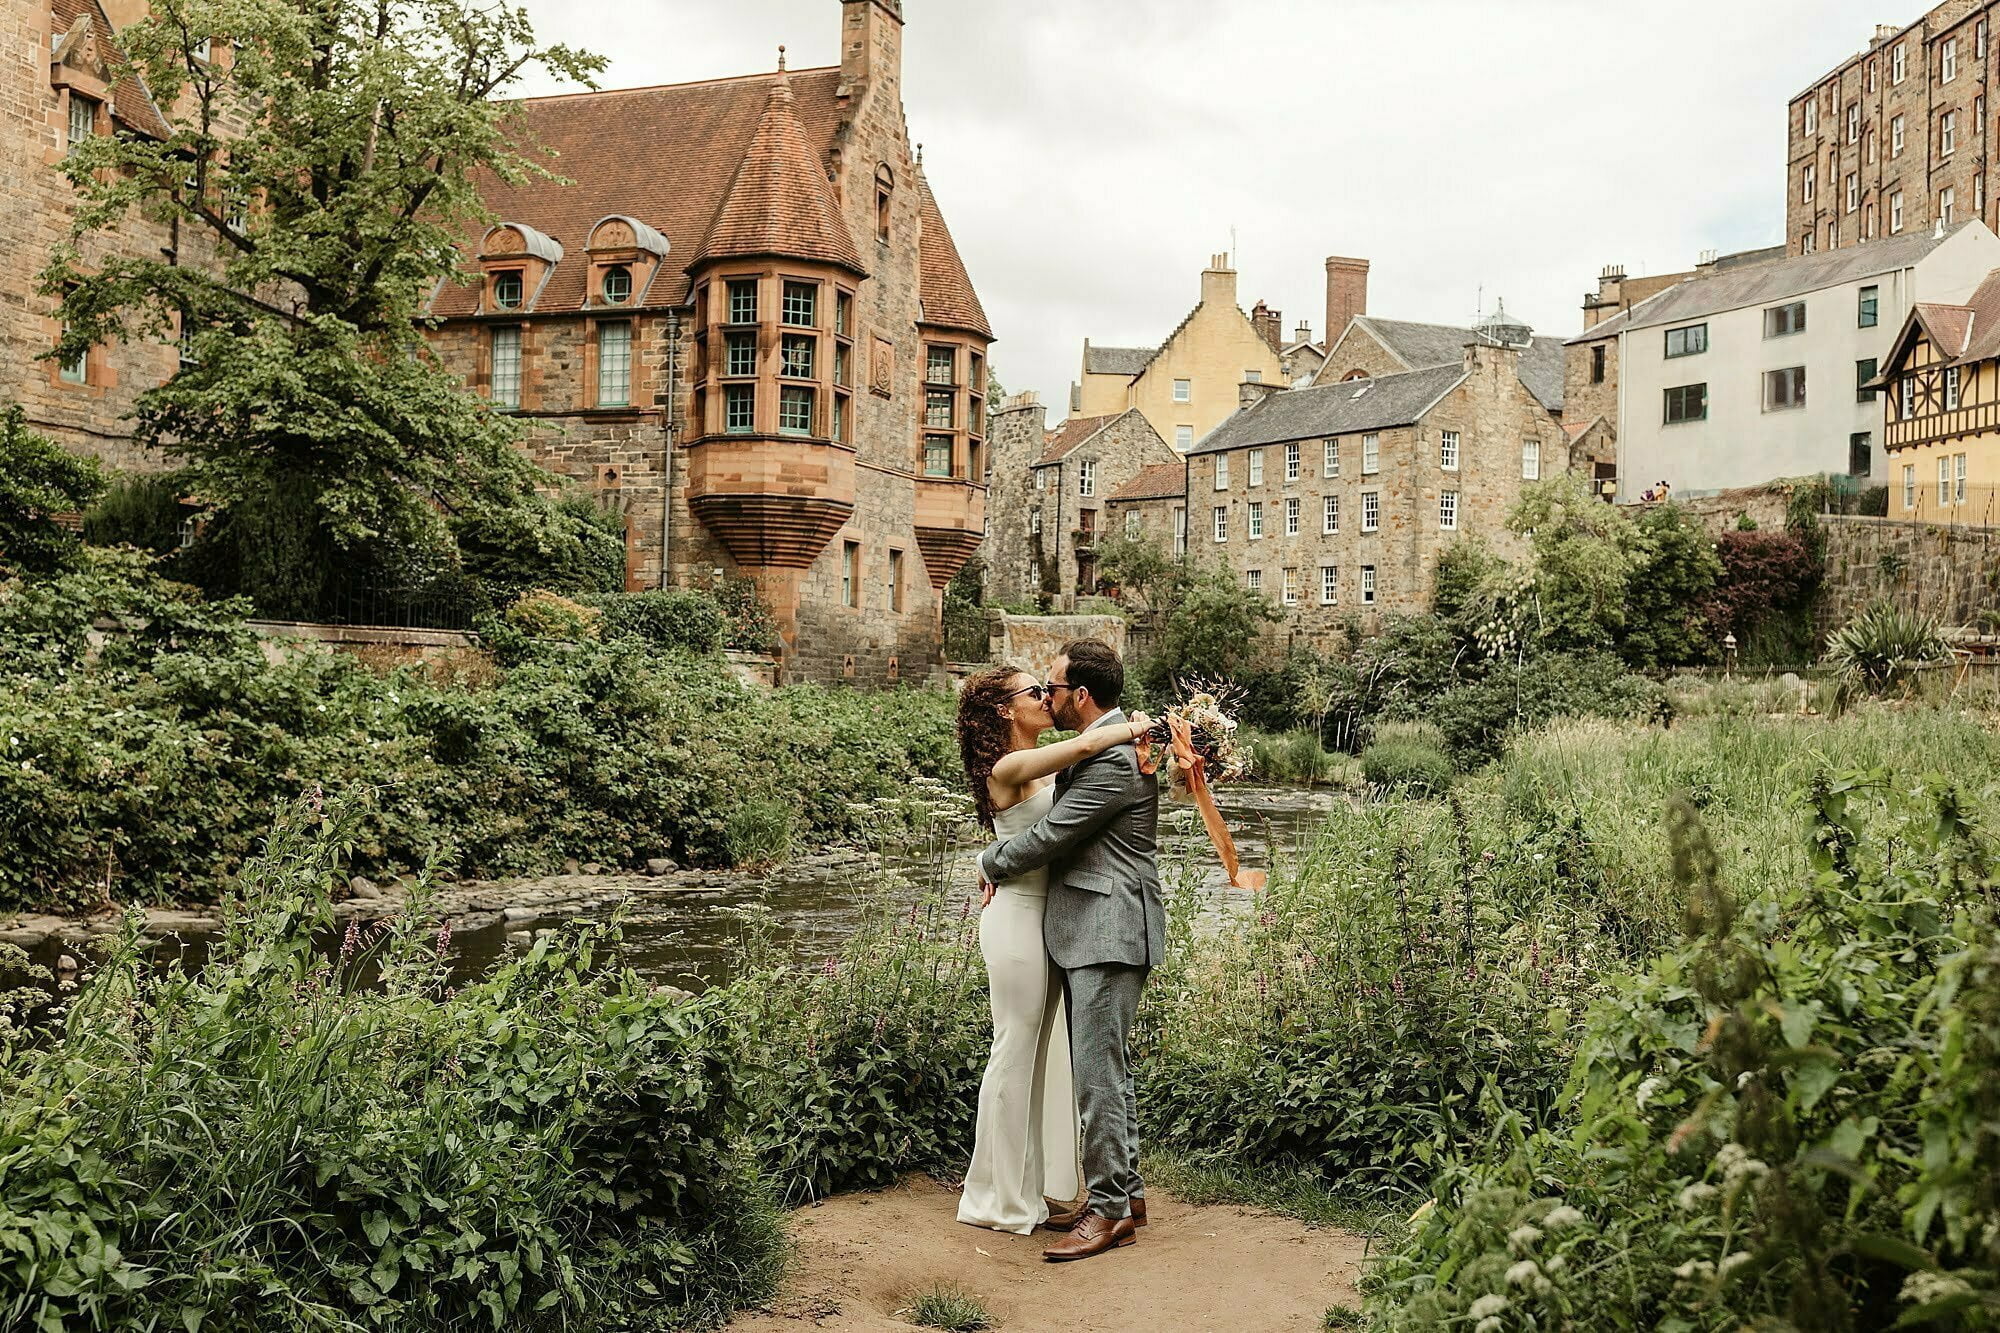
<point x="780" y="202"/>
<point x="946" y="291"/>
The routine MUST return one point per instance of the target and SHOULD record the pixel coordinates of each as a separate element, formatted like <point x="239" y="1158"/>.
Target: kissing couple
<point x="1073" y="921"/>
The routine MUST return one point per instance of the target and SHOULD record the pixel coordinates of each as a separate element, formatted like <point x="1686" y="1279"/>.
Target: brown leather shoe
<point x="1064" y="1216"/>
<point x="1093" y="1235"/>
<point x="1139" y="1210"/>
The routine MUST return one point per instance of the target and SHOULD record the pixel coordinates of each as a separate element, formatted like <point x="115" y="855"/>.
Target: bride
<point x="1025" y="1150"/>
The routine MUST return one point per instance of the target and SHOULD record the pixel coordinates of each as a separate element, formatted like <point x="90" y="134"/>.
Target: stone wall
<point x="1034" y="642"/>
<point x="1947" y="570"/>
<point x="1016" y="434"/>
<point x="1725" y="511"/>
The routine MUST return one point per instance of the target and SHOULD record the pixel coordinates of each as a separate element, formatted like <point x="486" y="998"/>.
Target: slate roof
<point x="946" y="291"/>
<point x="1065" y="438"/>
<point x="779" y="200"/>
<point x="132" y="103"/>
<point x="1420" y="345"/>
<point x="1126" y="361"/>
<point x="1158" y="481"/>
<point x="1771" y="281"/>
<point x="1334" y="409"/>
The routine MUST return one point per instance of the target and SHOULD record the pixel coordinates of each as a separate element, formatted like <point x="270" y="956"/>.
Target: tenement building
<point x="1187" y="384"/>
<point x="1940" y="397"/>
<point x="1047" y="500"/>
<point x="1742" y="375"/>
<point x="744" y="322"/>
<point x="1336" y="500"/>
<point x="1897" y="138"/>
<point x="61" y="85"/>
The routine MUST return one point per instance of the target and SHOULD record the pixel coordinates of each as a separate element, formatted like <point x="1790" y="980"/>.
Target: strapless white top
<point x="1019" y="819"/>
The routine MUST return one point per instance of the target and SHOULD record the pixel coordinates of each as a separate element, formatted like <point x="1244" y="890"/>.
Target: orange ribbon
<point x="1181" y="746"/>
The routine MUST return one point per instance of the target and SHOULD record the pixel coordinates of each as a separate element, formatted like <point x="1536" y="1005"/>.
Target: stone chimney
<point x="1492" y="358"/>
<point x="1016" y="431"/>
<point x="1305" y="333"/>
<point x="1346" y="294"/>
<point x="1252" y="392"/>
<point x="871" y="48"/>
<point x="1218" y="282"/>
<point x="1270" y="326"/>
<point x="1609" y="298"/>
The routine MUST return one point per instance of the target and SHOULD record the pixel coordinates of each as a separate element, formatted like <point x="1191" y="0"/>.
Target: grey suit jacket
<point x="1100" y="845"/>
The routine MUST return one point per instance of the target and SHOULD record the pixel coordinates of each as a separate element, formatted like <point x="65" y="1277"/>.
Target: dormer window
<point x="507" y="290"/>
<point x="617" y="284"/>
<point x="82" y="119"/>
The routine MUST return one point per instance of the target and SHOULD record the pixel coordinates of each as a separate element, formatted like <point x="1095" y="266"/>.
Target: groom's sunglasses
<point x="1033" y="692"/>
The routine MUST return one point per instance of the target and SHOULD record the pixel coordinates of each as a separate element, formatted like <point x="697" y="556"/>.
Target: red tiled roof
<point x="664" y="155"/>
<point x="948" y="298"/>
<point x="1983" y="334"/>
<point x="1949" y="325"/>
<point x="131" y="104"/>
<point x="1157" y="481"/>
<point x="779" y="202"/>
<point x="1069" y="435"/>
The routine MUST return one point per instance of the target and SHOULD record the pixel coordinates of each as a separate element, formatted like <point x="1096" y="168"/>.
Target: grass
<point x="1297" y="756"/>
<point x="1294" y="1194"/>
<point x="951" y="1307"/>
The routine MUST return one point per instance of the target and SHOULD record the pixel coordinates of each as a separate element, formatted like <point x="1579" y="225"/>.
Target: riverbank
<point x="861" y="1261"/>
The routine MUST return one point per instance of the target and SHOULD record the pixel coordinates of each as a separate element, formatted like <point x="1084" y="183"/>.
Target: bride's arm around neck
<point x="1018" y="768"/>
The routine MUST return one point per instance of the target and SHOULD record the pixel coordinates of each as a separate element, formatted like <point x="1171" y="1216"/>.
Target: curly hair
<point x="984" y="737"/>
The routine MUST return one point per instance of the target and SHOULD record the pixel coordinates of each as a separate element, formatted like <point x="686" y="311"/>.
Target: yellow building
<point x="1189" y="384"/>
<point x="1940" y="387"/>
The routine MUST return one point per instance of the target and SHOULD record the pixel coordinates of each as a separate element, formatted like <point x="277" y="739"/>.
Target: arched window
<point x="885" y="189"/>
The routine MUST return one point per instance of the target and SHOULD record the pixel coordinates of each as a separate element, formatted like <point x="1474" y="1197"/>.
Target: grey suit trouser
<point x="1103" y="1000"/>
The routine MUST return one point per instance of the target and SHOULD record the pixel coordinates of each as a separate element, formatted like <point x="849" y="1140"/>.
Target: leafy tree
<point x="1138" y="565"/>
<point x="1671" y="579"/>
<point x="1574" y="595"/>
<point x="570" y="544"/>
<point x="327" y="155"/>
<point x="39" y="480"/>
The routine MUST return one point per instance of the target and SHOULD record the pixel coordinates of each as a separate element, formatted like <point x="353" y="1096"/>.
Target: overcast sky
<point x="1090" y="156"/>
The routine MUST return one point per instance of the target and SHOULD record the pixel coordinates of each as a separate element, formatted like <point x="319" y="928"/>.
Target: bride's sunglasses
<point x="1036" y="692"/>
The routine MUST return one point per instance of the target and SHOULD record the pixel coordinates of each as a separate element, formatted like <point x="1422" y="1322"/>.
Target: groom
<point x="1105" y="927"/>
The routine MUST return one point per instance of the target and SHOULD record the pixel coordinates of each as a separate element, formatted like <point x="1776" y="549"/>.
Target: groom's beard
<point x="1066" y="717"/>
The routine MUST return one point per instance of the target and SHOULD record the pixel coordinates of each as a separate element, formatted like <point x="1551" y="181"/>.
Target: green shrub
<point x="751" y="626"/>
<point x="1882" y="648"/>
<point x="547" y="615"/>
<point x="1478" y="718"/>
<point x="1295" y="757"/>
<point x="948" y="1306"/>
<point x="1408" y="757"/>
<point x="570" y="544"/>
<point x="270" y="1144"/>
<point x="40" y="481"/>
<point x="687" y="621"/>
<point x="137" y="509"/>
<point x="759" y="832"/>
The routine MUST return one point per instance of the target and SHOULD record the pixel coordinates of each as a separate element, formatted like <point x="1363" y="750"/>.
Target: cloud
<point x="1090" y="157"/>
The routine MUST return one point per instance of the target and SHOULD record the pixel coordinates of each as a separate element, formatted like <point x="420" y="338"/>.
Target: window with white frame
<point x="1035" y="521"/>
<point x="1253" y="579"/>
<point x="1368" y="585"/>
<point x="1810" y="117"/>
<point x="1782" y="321"/>
<point x="1909" y="485"/>
<point x="1853" y="191"/>
<point x="1330" y="464"/>
<point x="1371" y="510"/>
<point x="82" y="119"/>
<point x="1958" y="478"/>
<point x="1184" y="438"/>
<point x="1951" y="379"/>
<point x="1222" y="472"/>
<point x="1947" y="134"/>
<point x="1871" y="76"/>
<point x="1329" y="515"/>
<point x="1947" y="202"/>
<point x="1448" y="511"/>
<point x="1899" y="65"/>
<point x="1292" y="507"/>
<point x="1948" y="60"/>
<point x="1180" y="532"/>
<point x="1944" y="480"/>
<point x="1906" y="398"/>
<point x="1183" y="390"/>
<point x="1222" y="523"/>
<point x="1329" y="584"/>
<point x="1808" y="178"/>
<point x="1448" y="450"/>
<point x="1979" y="39"/>
<point x="1042" y="479"/>
<point x="1896" y="137"/>
<point x="1854" y="122"/>
<point x="1291" y="462"/>
<point x="1086" y="477"/>
<point x="1256" y="520"/>
<point x="1291" y="587"/>
<point x="1531" y="460"/>
<point x="1371" y="454"/>
<point x="506" y="378"/>
<point x="1896" y="213"/>
<point x="1132" y="524"/>
<point x="1256" y="467"/>
<point x="614" y="363"/>
<point x="1785" y="390"/>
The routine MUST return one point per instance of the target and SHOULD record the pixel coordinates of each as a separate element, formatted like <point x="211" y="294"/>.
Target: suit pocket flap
<point x="1090" y="882"/>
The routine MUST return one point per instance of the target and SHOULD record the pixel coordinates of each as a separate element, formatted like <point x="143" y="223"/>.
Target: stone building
<point x="1746" y="373"/>
<point x="1897" y="137"/>
<point x="745" y="323"/>
<point x="1187" y="384"/>
<point x="60" y="84"/>
<point x="1335" y="500"/>
<point x="1047" y="502"/>
<point x="1941" y="410"/>
<point x="1152" y="507"/>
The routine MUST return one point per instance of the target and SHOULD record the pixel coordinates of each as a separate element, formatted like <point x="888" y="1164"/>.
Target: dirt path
<point x="861" y="1256"/>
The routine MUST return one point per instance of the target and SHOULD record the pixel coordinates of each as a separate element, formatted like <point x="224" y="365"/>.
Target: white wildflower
<point x="1695" y="1195"/>
<point x="1729" y="1154"/>
<point x="1555" y="1263"/>
<point x="1487" y="1306"/>
<point x="1695" y="1270"/>
<point x="1921" y="1288"/>
<point x="1521" y="1274"/>
<point x="1730" y="1263"/>
<point x="1523" y="1237"/>
<point x="1650" y="1089"/>
<point x="1560" y="1218"/>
